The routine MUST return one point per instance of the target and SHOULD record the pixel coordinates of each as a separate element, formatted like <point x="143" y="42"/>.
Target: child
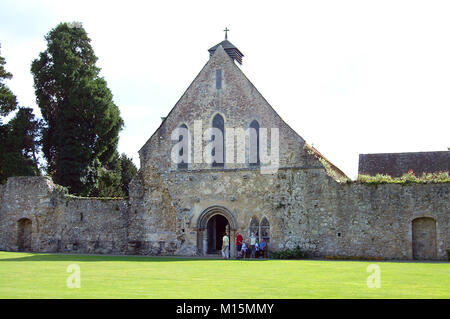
<point x="244" y="250"/>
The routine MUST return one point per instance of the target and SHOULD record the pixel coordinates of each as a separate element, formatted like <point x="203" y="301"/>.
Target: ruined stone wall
<point x="326" y="218"/>
<point x="60" y="223"/>
<point x="2" y="234"/>
<point x="304" y="207"/>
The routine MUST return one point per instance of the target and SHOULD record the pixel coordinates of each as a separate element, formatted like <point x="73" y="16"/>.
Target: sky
<point x="350" y="77"/>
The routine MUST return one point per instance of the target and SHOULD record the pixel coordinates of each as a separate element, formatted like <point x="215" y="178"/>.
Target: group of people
<point x="255" y="249"/>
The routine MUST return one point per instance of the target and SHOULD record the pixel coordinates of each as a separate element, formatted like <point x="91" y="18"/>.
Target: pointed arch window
<point x="265" y="230"/>
<point x="253" y="157"/>
<point x="254" y="227"/>
<point x="219" y="150"/>
<point x="183" y="164"/>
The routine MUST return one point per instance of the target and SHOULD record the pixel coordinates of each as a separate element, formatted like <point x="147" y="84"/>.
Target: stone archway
<point x="424" y="238"/>
<point x="216" y="227"/>
<point x="24" y="234"/>
<point x="211" y="222"/>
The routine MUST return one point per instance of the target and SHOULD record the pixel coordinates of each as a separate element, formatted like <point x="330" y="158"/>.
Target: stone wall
<point x="303" y="206"/>
<point x="362" y="220"/>
<point x="60" y="223"/>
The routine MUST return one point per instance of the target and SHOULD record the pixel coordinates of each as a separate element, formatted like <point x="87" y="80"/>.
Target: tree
<point x="19" y="147"/>
<point x="109" y="183"/>
<point x="128" y="171"/>
<point x="82" y="123"/>
<point x="8" y="101"/>
<point x="114" y="179"/>
<point x="19" y="138"/>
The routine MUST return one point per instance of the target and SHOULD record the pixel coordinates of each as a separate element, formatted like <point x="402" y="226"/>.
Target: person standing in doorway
<point x="239" y="240"/>
<point x="225" y="246"/>
<point x="252" y="245"/>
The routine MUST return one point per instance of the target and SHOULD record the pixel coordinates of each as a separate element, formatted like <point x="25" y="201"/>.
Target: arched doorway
<point x="424" y="238"/>
<point x="211" y="226"/>
<point x="24" y="234"/>
<point x="217" y="226"/>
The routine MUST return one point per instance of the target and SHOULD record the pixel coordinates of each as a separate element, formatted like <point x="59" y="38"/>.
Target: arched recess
<point x="219" y="123"/>
<point x="424" y="238"/>
<point x="265" y="230"/>
<point x="205" y="219"/>
<point x="254" y="226"/>
<point x="213" y="210"/>
<point x="253" y="156"/>
<point x="24" y="234"/>
<point x="184" y="150"/>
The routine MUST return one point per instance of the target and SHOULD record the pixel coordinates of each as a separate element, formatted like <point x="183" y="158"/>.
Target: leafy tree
<point x="19" y="139"/>
<point x="109" y="183"/>
<point x="128" y="170"/>
<point x="8" y="101"/>
<point x="114" y="179"/>
<point x="82" y="123"/>
<point x="19" y="147"/>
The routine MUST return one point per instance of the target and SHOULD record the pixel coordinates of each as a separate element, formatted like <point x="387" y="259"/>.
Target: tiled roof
<point x="397" y="164"/>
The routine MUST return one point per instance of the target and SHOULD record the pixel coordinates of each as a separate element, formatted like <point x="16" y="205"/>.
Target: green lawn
<point x="27" y="275"/>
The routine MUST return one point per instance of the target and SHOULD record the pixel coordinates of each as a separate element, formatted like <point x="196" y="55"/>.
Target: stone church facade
<point x="183" y="209"/>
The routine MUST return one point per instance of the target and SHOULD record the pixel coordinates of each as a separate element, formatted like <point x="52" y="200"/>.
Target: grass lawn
<point x="27" y="275"/>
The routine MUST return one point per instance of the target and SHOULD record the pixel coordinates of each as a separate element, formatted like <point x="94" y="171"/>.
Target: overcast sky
<point x="349" y="76"/>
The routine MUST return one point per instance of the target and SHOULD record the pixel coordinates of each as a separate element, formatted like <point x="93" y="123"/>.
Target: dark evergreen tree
<point x="8" y="101"/>
<point x="20" y="138"/>
<point x="128" y="172"/>
<point x="20" y="145"/>
<point x="109" y="183"/>
<point x="114" y="179"/>
<point x="82" y="123"/>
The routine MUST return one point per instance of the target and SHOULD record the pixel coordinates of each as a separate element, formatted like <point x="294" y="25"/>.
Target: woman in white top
<point x="225" y="246"/>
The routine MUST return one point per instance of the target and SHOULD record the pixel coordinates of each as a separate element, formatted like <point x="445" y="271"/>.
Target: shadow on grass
<point x="103" y="258"/>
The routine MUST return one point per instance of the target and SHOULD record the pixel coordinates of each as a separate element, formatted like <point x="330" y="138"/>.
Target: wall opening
<point x="218" y="79"/>
<point x="254" y="227"/>
<point x="184" y="150"/>
<point x="219" y="153"/>
<point x="424" y="238"/>
<point x="24" y="234"/>
<point x="204" y="225"/>
<point x="216" y="228"/>
<point x="265" y="230"/>
<point x="253" y="157"/>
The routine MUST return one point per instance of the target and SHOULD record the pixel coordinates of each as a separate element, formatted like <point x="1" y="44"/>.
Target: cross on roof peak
<point x="226" y="33"/>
